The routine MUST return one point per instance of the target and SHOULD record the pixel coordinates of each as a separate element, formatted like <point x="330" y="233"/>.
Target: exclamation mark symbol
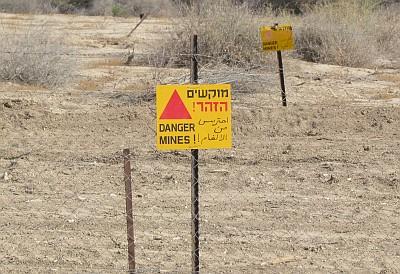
<point x="194" y="136"/>
<point x="194" y="106"/>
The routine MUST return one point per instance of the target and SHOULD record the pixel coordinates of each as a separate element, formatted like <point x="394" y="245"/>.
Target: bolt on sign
<point x="277" y="38"/>
<point x="193" y="116"/>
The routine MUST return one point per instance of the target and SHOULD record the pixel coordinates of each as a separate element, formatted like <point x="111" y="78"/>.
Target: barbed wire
<point x="81" y="269"/>
<point x="298" y="30"/>
<point x="212" y="75"/>
<point x="55" y="53"/>
<point x="249" y="65"/>
<point x="67" y="231"/>
<point x="244" y="69"/>
<point x="34" y="193"/>
<point x="144" y="268"/>
<point x="141" y="269"/>
<point x="101" y="55"/>
<point x="119" y="231"/>
<point x="74" y="213"/>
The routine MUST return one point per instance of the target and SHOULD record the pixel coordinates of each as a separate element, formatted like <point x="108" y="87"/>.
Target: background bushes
<point x="356" y="33"/>
<point x="33" y="55"/>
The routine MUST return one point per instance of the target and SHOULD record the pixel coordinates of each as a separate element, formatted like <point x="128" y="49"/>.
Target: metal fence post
<point x="195" y="175"/>
<point x="281" y="75"/>
<point x="129" y="211"/>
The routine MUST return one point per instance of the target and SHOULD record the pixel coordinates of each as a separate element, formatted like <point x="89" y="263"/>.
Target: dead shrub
<point x="89" y="85"/>
<point x="352" y="33"/>
<point x="33" y="56"/>
<point x="100" y="8"/>
<point x="125" y="8"/>
<point x="106" y="63"/>
<point x="26" y="6"/>
<point x="122" y="8"/>
<point x="228" y="34"/>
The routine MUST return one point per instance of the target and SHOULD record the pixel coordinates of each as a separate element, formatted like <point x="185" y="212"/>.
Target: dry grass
<point x="139" y="86"/>
<point x="33" y="55"/>
<point x="26" y="6"/>
<point x="123" y="8"/>
<point x="227" y="34"/>
<point x="387" y="94"/>
<point x="101" y="7"/>
<point x="99" y="83"/>
<point x="19" y="17"/>
<point x="127" y="8"/>
<point x="89" y="85"/>
<point x="354" y="33"/>
<point x="389" y="77"/>
<point x="105" y="63"/>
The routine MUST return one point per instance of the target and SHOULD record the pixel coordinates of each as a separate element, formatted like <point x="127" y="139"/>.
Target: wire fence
<point x="333" y="29"/>
<point x="244" y="77"/>
<point x="88" y="227"/>
<point x="54" y="267"/>
<point x="162" y="226"/>
<point x="212" y="75"/>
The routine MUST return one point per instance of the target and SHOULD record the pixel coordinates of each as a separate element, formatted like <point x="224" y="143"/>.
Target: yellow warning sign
<point x="277" y="38"/>
<point x="194" y="116"/>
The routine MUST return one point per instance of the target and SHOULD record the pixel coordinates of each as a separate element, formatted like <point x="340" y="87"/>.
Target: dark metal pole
<point x="142" y="18"/>
<point x="281" y="75"/>
<point x="194" y="74"/>
<point x="129" y="211"/>
<point x="195" y="175"/>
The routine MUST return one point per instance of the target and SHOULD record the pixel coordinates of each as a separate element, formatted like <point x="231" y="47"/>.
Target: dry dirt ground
<point x="311" y="188"/>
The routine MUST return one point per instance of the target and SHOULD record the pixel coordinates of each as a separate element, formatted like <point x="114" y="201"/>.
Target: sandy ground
<point x="311" y="188"/>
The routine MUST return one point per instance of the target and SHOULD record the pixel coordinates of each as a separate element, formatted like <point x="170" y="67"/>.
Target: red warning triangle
<point x="175" y="108"/>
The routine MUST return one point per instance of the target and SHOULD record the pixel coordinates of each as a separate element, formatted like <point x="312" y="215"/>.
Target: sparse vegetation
<point x="26" y="6"/>
<point x="122" y="8"/>
<point x="311" y="187"/>
<point x="117" y="10"/>
<point x="352" y="33"/>
<point x="349" y="33"/>
<point x="100" y="8"/>
<point x="126" y="8"/>
<point x="32" y="56"/>
<point x="228" y="34"/>
<point x="357" y="33"/>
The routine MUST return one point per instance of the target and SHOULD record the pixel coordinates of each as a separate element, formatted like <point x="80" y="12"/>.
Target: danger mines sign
<point x="277" y="38"/>
<point x="193" y="116"/>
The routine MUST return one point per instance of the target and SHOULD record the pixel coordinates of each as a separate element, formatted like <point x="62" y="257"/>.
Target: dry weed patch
<point x="94" y="84"/>
<point x="139" y="86"/>
<point x="387" y="94"/>
<point x="105" y="63"/>
<point x="389" y="77"/>
<point x="353" y="33"/>
<point x="227" y="34"/>
<point x="33" y="56"/>
<point x="89" y="85"/>
<point x="26" y="6"/>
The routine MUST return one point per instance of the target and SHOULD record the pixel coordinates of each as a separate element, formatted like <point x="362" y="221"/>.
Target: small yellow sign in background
<point x="277" y="38"/>
<point x="194" y="116"/>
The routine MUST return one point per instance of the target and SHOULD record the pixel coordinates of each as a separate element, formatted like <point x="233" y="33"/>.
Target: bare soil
<point x="311" y="188"/>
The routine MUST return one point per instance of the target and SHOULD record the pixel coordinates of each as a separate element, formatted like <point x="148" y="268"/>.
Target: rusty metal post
<point x="195" y="175"/>
<point x="129" y="211"/>
<point x="281" y="75"/>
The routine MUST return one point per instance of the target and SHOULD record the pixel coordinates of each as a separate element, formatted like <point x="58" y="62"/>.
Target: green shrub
<point x="117" y="10"/>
